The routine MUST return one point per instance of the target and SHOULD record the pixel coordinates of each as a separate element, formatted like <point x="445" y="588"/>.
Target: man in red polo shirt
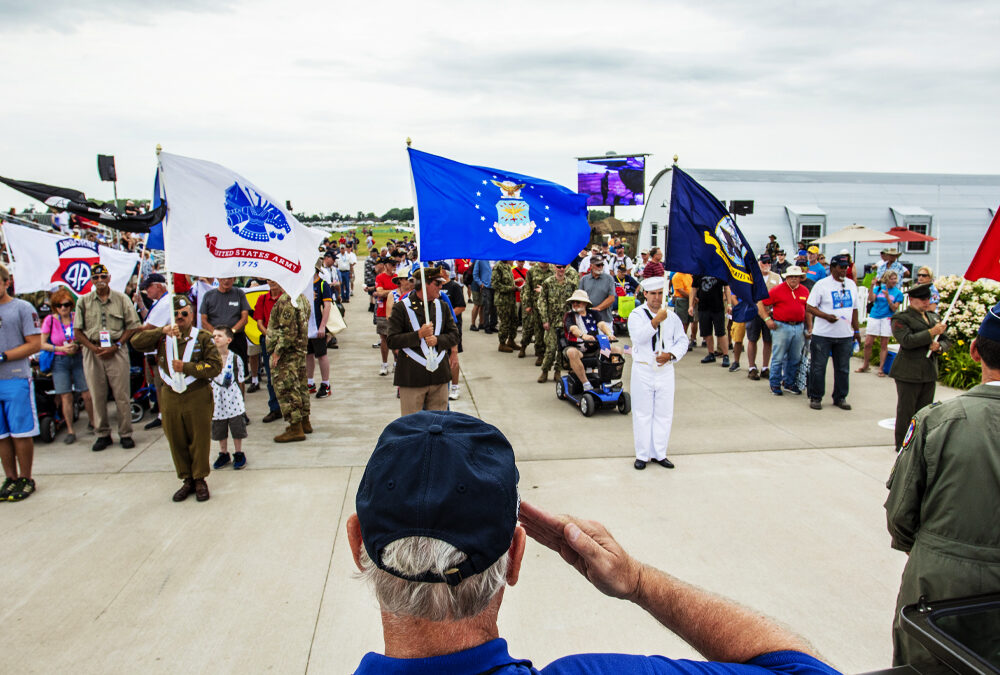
<point x="786" y="321"/>
<point x="384" y="286"/>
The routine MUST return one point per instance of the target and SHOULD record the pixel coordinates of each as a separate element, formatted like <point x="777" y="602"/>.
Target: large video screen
<point x="607" y="181"/>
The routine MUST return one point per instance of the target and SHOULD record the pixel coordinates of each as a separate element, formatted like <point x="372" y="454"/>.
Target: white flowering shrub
<point x="977" y="298"/>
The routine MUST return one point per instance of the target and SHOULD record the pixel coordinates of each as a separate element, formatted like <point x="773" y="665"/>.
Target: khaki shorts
<point x="252" y="349"/>
<point x="738" y="332"/>
<point x="477" y="297"/>
<point x="381" y="325"/>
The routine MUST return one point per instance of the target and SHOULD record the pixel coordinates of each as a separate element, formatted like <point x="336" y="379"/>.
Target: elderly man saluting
<point x="658" y="342"/>
<point x="422" y="387"/>
<point x="436" y="535"/>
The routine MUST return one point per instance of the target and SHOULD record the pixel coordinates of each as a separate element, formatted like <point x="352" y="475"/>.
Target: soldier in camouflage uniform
<point x="552" y="309"/>
<point x="502" y="282"/>
<point x="532" y="330"/>
<point x="287" y="336"/>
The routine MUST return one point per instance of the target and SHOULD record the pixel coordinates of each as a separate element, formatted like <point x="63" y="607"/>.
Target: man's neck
<point x="408" y="638"/>
<point x="103" y="295"/>
<point x="990" y="375"/>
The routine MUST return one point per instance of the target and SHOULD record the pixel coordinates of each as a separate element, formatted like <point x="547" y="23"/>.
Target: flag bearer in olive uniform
<point x="421" y="344"/>
<point x="551" y="311"/>
<point x="187" y="414"/>
<point x="287" y="338"/>
<point x="944" y="494"/>
<point x="533" y="331"/>
<point x="503" y="298"/>
<point x="914" y="371"/>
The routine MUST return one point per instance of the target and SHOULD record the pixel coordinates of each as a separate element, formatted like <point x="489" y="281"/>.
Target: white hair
<point x="413" y="556"/>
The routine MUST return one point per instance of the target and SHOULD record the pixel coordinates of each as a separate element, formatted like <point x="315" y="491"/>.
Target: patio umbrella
<point x="903" y="234"/>
<point x="855" y="233"/>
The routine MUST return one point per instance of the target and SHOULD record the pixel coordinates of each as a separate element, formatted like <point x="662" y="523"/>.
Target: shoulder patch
<point x="909" y="434"/>
<point x="935" y="404"/>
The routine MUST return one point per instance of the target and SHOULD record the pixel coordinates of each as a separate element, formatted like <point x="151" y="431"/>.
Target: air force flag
<point x="702" y="238"/>
<point x="465" y="211"/>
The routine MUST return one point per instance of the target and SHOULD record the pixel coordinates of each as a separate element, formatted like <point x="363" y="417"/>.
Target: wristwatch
<point x="3" y="357"/>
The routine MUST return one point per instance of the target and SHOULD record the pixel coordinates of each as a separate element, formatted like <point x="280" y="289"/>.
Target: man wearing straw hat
<point x="423" y="369"/>
<point x="658" y="342"/>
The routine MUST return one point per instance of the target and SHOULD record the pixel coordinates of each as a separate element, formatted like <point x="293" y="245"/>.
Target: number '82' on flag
<point x="466" y="211"/>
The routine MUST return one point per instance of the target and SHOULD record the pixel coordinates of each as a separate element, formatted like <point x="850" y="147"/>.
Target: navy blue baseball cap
<point x="990" y="327"/>
<point x="840" y="260"/>
<point x="443" y="475"/>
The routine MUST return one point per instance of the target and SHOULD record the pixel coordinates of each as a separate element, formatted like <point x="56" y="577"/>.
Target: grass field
<point x="381" y="233"/>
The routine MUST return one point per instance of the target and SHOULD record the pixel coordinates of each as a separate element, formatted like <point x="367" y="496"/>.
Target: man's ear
<point x="516" y="555"/>
<point x="974" y="352"/>
<point x="354" y="539"/>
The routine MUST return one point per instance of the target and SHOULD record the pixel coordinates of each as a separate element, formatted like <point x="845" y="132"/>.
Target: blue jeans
<point x="345" y="285"/>
<point x="786" y="353"/>
<point x="272" y="398"/>
<point x="819" y="352"/>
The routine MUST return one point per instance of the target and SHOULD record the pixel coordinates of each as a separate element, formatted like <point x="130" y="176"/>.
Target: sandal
<point x="865" y="369"/>
<point x="881" y="374"/>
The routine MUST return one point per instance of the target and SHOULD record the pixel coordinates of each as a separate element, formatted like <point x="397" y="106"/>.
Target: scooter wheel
<point x="624" y="403"/>
<point x="588" y="404"/>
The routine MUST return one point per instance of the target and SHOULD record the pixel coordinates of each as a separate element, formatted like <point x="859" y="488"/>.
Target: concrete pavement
<point x="773" y="504"/>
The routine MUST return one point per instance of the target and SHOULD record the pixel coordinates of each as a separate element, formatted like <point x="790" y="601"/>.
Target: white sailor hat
<point x="654" y="284"/>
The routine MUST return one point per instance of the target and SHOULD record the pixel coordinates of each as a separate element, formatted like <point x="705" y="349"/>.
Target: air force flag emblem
<point x="513" y="223"/>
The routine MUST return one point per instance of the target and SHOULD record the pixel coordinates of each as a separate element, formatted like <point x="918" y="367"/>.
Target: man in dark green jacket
<point x="914" y="370"/>
<point x="944" y="494"/>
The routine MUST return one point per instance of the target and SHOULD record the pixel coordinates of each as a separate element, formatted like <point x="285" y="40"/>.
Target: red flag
<point x="986" y="262"/>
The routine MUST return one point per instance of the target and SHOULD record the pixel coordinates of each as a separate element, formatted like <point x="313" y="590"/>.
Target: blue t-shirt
<point x="816" y="272"/>
<point x="881" y="309"/>
<point x="494" y="654"/>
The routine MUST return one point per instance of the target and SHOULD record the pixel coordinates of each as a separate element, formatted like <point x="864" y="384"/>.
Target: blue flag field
<point x="702" y="238"/>
<point x="466" y="211"/>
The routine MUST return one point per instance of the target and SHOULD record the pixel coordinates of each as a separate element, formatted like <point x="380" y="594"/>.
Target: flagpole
<point x="947" y="313"/>
<point x="178" y="381"/>
<point x="420" y="248"/>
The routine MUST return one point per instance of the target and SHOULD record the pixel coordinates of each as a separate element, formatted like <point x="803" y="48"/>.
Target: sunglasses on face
<point x="921" y="274"/>
<point x="64" y="304"/>
<point x="181" y="314"/>
<point x="438" y="283"/>
<point x="101" y="276"/>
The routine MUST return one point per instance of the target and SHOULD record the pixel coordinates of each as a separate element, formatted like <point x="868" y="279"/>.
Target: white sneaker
<point x="383" y="369"/>
<point x="453" y="394"/>
<point x="392" y="367"/>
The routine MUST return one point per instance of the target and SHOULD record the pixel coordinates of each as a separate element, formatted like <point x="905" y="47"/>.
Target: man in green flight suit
<point x="502" y="282"/>
<point x="287" y="338"/>
<point x="913" y="369"/>
<point x="532" y="330"/>
<point x="552" y="309"/>
<point x="943" y="499"/>
<point x="185" y="403"/>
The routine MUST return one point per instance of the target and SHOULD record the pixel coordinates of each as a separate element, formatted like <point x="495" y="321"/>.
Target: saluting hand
<point x="587" y="546"/>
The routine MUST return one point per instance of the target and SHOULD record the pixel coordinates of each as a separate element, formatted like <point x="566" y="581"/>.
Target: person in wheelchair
<point x="581" y="327"/>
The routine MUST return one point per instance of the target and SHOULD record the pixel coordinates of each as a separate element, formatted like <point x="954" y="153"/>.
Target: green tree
<point x="596" y="215"/>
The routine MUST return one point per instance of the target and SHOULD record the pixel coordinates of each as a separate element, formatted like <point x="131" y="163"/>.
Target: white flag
<point x="43" y="261"/>
<point x="222" y="225"/>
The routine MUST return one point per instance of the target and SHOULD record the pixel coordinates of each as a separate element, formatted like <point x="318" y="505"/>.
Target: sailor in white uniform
<point x="658" y="342"/>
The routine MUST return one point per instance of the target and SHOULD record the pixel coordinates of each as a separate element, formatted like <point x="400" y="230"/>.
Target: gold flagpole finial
<point x="409" y="141"/>
<point x="159" y="148"/>
<point x="675" y="159"/>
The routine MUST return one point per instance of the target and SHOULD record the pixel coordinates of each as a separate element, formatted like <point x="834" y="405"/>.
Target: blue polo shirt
<point x="492" y="657"/>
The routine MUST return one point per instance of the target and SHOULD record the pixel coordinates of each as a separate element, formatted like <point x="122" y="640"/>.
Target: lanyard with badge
<point x="104" y="335"/>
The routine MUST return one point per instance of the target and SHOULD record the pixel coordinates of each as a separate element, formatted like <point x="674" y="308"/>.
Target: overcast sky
<point x="313" y="100"/>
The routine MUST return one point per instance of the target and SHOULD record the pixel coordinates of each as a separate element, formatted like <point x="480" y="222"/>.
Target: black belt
<point x="790" y="323"/>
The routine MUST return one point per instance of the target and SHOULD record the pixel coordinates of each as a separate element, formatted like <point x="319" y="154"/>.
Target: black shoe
<point x="792" y="389"/>
<point x="272" y="416"/>
<point x="665" y="463"/>
<point x="776" y="391"/>
<point x="154" y="424"/>
<point x="221" y="460"/>
<point x="127" y="443"/>
<point x="101" y="443"/>
<point x="474" y="328"/>
<point x="253" y="388"/>
<point x="639" y="465"/>
<point x="842" y="404"/>
<point x="324" y="391"/>
<point x="709" y="359"/>
<point x="815" y="404"/>
<point x="239" y="460"/>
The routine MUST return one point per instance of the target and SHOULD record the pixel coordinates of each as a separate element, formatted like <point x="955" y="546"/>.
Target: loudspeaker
<point x="106" y="167"/>
<point x="741" y="207"/>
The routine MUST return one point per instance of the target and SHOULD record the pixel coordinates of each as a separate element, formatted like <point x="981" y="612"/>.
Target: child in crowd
<point x="228" y="417"/>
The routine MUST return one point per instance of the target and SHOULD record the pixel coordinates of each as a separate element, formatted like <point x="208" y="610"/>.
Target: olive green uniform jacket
<point x="912" y="333"/>
<point x="944" y="496"/>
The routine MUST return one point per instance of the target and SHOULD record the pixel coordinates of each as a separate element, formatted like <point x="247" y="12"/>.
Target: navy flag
<point x="465" y="211"/>
<point x="702" y="238"/>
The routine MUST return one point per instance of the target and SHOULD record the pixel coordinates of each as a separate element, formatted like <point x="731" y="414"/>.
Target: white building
<point x="796" y="205"/>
